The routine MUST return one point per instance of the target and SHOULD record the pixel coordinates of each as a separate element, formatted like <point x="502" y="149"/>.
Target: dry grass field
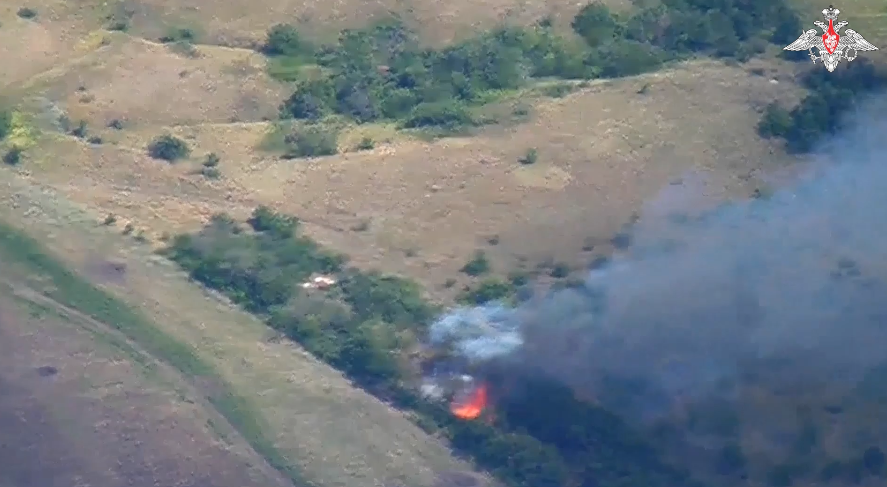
<point x="419" y="208"/>
<point x="604" y="150"/>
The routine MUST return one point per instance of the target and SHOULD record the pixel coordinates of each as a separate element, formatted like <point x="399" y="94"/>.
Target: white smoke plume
<point x="795" y="284"/>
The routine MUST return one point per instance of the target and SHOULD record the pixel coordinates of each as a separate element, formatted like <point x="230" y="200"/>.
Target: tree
<point x="444" y="114"/>
<point x="626" y="58"/>
<point x="13" y="156"/>
<point x="168" y="148"/>
<point x="478" y="265"/>
<point x="285" y="40"/>
<point x="776" y="122"/>
<point x="265" y="220"/>
<point x="303" y="105"/>
<point x="596" y="24"/>
<point x="312" y="142"/>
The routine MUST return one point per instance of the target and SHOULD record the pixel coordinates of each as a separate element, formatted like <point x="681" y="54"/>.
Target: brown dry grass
<point x="239" y="22"/>
<point x="28" y="47"/>
<point x="102" y="419"/>
<point x="133" y="80"/>
<point x="421" y="209"/>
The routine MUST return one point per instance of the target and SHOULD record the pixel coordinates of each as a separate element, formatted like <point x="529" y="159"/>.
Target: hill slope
<point x="564" y="165"/>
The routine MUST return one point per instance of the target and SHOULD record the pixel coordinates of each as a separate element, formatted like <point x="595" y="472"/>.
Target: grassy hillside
<point x="27" y="260"/>
<point x="466" y="147"/>
<point x="103" y="357"/>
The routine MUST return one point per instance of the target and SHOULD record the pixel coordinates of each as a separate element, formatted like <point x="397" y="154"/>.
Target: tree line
<point x="381" y="72"/>
<point x="823" y="111"/>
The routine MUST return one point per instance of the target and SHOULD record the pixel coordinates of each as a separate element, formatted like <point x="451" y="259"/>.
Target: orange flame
<point x="472" y="406"/>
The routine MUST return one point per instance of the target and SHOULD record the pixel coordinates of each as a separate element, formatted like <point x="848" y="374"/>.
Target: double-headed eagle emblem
<point x="831" y="47"/>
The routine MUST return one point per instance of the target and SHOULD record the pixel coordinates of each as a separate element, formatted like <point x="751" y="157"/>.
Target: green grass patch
<point x="289" y="69"/>
<point x="69" y="289"/>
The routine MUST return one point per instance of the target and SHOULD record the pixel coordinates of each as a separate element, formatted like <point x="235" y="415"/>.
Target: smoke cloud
<point x="792" y="287"/>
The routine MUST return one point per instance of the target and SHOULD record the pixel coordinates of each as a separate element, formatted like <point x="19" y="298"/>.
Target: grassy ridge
<point x="71" y="290"/>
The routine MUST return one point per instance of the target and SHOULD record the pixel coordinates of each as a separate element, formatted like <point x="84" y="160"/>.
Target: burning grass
<point x="470" y="404"/>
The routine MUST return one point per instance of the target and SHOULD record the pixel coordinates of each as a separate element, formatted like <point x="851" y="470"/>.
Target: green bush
<point x="596" y="24"/>
<point x="13" y="156"/>
<point x="212" y="160"/>
<point x="366" y="143"/>
<point x="309" y="102"/>
<point x="439" y="114"/>
<point x="478" y="265"/>
<point x="168" y="148"/>
<point x="81" y="130"/>
<point x="26" y="13"/>
<point x="626" y="58"/>
<point x="311" y="142"/>
<point x="529" y="157"/>
<point x="560" y="271"/>
<point x="285" y="40"/>
<point x="776" y="122"/>
<point x="491" y="289"/>
<point x="180" y="34"/>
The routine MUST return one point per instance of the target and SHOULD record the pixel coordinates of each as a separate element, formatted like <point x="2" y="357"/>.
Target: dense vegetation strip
<point x="365" y="325"/>
<point x="71" y="290"/>
<point x="821" y="112"/>
<point x="382" y="73"/>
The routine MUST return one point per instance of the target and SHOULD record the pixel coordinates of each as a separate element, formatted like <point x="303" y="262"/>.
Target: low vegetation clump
<point x="530" y="157"/>
<point x="5" y="123"/>
<point x="13" y="156"/>
<point x="311" y="142"/>
<point x="821" y="112"/>
<point x="489" y="289"/>
<point x="381" y="73"/>
<point x="26" y="13"/>
<point x="478" y="265"/>
<point x="366" y="143"/>
<point x="180" y="34"/>
<point x="210" y="166"/>
<point x="168" y="148"/>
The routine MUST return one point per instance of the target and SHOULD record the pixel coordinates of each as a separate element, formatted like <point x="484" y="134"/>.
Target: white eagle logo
<point x="831" y="47"/>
